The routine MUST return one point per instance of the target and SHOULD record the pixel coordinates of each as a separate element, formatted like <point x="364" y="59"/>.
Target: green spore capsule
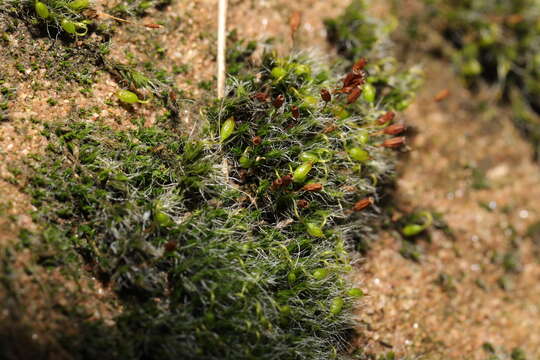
<point x="368" y="93"/>
<point x="301" y="172"/>
<point x="278" y="73"/>
<point x="162" y="219"/>
<point x="145" y="5"/>
<point x="42" y="10"/>
<point x="362" y="137"/>
<point x="78" y="4"/>
<point x="302" y="69"/>
<point x="402" y="105"/>
<point x="227" y="129"/>
<point x="68" y="26"/>
<point x="308" y="156"/>
<point x="285" y="309"/>
<point x="71" y="28"/>
<point x="291" y="277"/>
<point x="355" y="292"/>
<point x="314" y="230"/>
<point x="358" y="154"/>
<point x="129" y="97"/>
<point x="472" y="68"/>
<point x="336" y="306"/>
<point x="320" y="274"/>
<point x="412" y="230"/>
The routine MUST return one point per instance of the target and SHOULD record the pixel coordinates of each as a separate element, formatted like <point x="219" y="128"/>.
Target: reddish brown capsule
<point x="286" y="180"/>
<point x="152" y="26"/>
<point x="349" y="78"/>
<point x="394" y="142"/>
<point x="278" y="101"/>
<point x="256" y="140"/>
<point x="262" y="97"/>
<point x="362" y="204"/>
<point x="345" y="90"/>
<point x="355" y="93"/>
<point x="294" y="22"/>
<point x="441" y="95"/>
<point x="295" y="112"/>
<point x="329" y="128"/>
<point x="170" y="246"/>
<point x="325" y="95"/>
<point x="312" y="187"/>
<point x="302" y="204"/>
<point x="281" y="182"/>
<point x="388" y="117"/>
<point x="276" y="184"/>
<point x="395" y="129"/>
<point x="359" y="66"/>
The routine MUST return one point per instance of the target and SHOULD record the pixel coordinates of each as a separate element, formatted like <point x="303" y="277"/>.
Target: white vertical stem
<point x="222" y="39"/>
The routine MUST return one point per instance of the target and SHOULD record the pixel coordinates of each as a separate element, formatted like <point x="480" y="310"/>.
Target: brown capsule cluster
<point x="362" y="204"/>
<point x="278" y="101"/>
<point x="302" y="204"/>
<point x="386" y="118"/>
<point x="353" y="81"/>
<point x="283" y="181"/>
<point x="312" y="187"/>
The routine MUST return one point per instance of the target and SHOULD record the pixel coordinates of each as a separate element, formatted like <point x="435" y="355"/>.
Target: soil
<point x="467" y="162"/>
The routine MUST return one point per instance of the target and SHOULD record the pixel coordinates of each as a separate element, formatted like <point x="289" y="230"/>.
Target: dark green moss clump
<point x="497" y="41"/>
<point x="355" y="33"/>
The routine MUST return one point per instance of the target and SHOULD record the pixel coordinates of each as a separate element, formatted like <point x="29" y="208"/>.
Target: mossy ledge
<point x="235" y="243"/>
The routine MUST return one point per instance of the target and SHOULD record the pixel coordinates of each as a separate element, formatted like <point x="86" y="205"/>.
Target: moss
<point x="235" y="244"/>
<point x="497" y="41"/>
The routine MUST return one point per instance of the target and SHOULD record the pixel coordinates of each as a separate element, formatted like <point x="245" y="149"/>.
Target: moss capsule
<point x="278" y="73"/>
<point x="320" y="274"/>
<point x="291" y="277"/>
<point x="336" y="306"/>
<point x="369" y="93"/>
<point x="472" y="68"/>
<point x="412" y="230"/>
<point x="325" y="95"/>
<point x="301" y="172"/>
<point x="314" y="230"/>
<point x="129" y="97"/>
<point x="78" y="4"/>
<point x="308" y="156"/>
<point x="227" y="129"/>
<point x="302" y="69"/>
<point x="362" y="137"/>
<point x="162" y="219"/>
<point x="358" y="154"/>
<point x="68" y="26"/>
<point x="355" y="292"/>
<point x="285" y="309"/>
<point x="71" y="28"/>
<point x="42" y="10"/>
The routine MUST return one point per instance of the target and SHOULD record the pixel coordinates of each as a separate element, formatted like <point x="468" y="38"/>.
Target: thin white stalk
<point x="222" y="40"/>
